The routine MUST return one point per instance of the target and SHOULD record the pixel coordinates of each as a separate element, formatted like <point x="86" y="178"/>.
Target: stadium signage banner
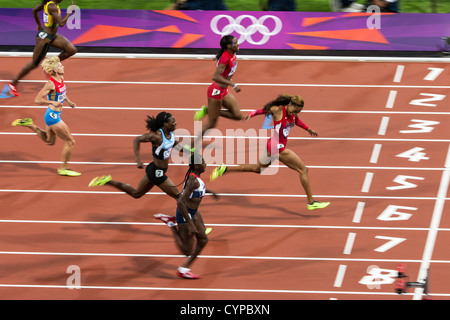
<point x="253" y="29"/>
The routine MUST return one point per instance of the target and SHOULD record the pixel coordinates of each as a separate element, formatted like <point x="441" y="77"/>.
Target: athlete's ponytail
<point x="224" y="42"/>
<point x="193" y="160"/>
<point x="283" y="100"/>
<point x="153" y="124"/>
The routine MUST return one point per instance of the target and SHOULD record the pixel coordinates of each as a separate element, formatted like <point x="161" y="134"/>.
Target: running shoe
<point x="26" y="122"/>
<point x="187" y="147"/>
<point x="200" y="114"/>
<point x="68" y="172"/>
<point x="13" y="89"/>
<point x="188" y="275"/>
<point x="169" y="220"/>
<point x="218" y="172"/>
<point x="208" y="231"/>
<point x="100" y="181"/>
<point x="317" y="205"/>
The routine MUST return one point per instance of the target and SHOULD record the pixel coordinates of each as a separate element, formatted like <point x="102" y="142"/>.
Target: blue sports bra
<point x="164" y="150"/>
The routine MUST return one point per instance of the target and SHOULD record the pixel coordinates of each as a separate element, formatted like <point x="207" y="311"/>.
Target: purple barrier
<point x="254" y="29"/>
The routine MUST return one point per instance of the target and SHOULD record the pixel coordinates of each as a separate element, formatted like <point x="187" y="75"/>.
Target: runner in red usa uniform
<point x="284" y="111"/>
<point x="217" y="94"/>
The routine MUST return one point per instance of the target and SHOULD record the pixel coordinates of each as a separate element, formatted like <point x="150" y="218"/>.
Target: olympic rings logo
<point x="246" y="33"/>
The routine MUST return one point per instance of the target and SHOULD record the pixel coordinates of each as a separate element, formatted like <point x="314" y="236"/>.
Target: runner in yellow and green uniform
<point x="47" y="36"/>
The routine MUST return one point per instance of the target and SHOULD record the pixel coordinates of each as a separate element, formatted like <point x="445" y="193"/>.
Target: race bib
<point x="42" y="35"/>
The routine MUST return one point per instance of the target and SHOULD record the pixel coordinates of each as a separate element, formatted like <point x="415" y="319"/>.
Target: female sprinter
<point x="284" y="111"/>
<point x="54" y="94"/>
<point x="217" y="93"/>
<point x="189" y="220"/>
<point x="163" y="140"/>
<point x="47" y="36"/>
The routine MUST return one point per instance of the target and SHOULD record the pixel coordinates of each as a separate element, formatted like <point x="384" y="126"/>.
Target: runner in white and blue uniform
<point x="188" y="223"/>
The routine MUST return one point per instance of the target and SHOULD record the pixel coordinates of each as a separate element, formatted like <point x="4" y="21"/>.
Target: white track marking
<point x="434" y="225"/>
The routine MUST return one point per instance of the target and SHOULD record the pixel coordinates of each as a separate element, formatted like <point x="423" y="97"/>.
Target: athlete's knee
<point x="202" y="242"/>
<point x="33" y="64"/>
<point x="71" y="50"/>
<point x="137" y="195"/>
<point x="187" y="250"/>
<point x="70" y="143"/>
<point x="303" y="171"/>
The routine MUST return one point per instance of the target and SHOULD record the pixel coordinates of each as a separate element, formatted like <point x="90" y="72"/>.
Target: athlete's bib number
<point x="215" y="92"/>
<point x="53" y="115"/>
<point x="159" y="173"/>
<point x="62" y="97"/>
<point x="166" y="154"/>
<point x="42" y="35"/>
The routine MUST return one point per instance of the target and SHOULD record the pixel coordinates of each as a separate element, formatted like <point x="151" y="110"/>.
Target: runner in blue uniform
<point x="163" y="140"/>
<point x="188" y="223"/>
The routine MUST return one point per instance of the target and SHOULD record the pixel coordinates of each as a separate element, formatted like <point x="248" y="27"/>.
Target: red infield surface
<point x="382" y="159"/>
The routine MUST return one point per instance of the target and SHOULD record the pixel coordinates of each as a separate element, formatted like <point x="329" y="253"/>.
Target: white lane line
<point x="124" y="135"/>
<point x="391" y="99"/>
<point x="212" y="164"/>
<point x="120" y="223"/>
<point x="358" y="212"/>
<point x="30" y="286"/>
<point x="244" y="110"/>
<point x="181" y="83"/>
<point x="383" y="126"/>
<point x="375" y="153"/>
<point x="177" y="56"/>
<point x="349" y="243"/>
<point x="399" y="73"/>
<point x="221" y="194"/>
<point x="434" y="226"/>
<point x="367" y="182"/>
<point x="340" y="275"/>
<point x="149" y="255"/>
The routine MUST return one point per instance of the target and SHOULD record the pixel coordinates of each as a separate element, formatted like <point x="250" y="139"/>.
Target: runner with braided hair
<point x="163" y="141"/>
<point x="188" y="223"/>
<point x="284" y="111"/>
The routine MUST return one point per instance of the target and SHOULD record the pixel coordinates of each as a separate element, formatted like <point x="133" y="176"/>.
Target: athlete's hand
<point x="237" y="89"/>
<point x="72" y="104"/>
<point x="247" y="117"/>
<point x="139" y="164"/>
<point x="191" y="227"/>
<point x="313" y="132"/>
